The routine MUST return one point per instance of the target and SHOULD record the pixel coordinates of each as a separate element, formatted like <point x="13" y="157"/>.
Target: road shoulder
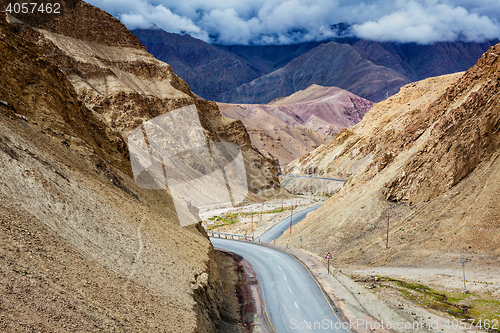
<point x="367" y="310"/>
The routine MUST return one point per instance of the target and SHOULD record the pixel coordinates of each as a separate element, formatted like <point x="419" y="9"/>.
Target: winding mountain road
<point x="293" y="299"/>
<point x="276" y="230"/>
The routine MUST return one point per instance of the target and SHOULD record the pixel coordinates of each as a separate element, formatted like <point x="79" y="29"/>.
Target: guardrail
<point x="313" y="177"/>
<point x="229" y="236"/>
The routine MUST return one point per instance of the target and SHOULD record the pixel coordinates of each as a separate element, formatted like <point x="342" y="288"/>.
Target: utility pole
<point x="387" y="239"/>
<point x="261" y="211"/>
<point x="300" y="241"/>
<point x="463" y="261"/>
<point x="291" y="217"/>
<point x="252" y="224"/>
<point x="281" y="204"/>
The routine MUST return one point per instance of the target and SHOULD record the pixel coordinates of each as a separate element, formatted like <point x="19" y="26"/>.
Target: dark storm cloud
<point x="289" y="21"/>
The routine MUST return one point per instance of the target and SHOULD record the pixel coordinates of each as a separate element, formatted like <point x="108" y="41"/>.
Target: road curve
<point x="276" y="230"/>
<point x="293" y="299"/>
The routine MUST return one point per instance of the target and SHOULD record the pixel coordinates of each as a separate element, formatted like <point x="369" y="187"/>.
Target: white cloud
<point x="414" y="22"/>
<point x="289" y="21"/>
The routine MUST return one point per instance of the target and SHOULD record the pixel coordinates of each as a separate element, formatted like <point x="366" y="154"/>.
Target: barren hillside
<point x="428" y="157"/>
<point x="290" y="127"/>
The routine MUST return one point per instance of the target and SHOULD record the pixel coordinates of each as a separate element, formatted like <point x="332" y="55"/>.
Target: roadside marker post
<point x="291" y="217"/>
<point x="328" y="257"/>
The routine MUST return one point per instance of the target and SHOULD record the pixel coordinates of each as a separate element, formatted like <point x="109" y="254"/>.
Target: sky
<point x="263" y="22"/>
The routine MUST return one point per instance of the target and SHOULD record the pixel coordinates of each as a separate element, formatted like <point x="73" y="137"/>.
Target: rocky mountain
<point x="83" y="247"/>
<point x="427" y="158"/>
<point x="290" y="127"/>
<point x="269" y="57"/>
<point x="213" y="73"/>
<point x="126" y="86"/>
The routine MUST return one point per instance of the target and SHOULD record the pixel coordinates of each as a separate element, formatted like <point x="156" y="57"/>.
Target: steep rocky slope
<point x="290" y="127"/>
<point x="330" y="64"/>
<point x="125" y="86"/>
<point x="83" y="248"/>
<point x="428" y="157"/>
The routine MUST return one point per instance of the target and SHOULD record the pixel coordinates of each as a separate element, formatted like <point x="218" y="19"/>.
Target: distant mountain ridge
<point x="330" y="64"/>
<point x="208" y="69"/>
<point x="219" y="72"/>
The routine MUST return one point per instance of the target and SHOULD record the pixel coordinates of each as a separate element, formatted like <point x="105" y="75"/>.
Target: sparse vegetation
<point x="224" y="220"/>
<point x="460" y="305"/>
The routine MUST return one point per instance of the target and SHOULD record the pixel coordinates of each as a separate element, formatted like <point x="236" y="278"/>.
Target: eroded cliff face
<point x="83" y="248"/>
<point x="428" y="158"/>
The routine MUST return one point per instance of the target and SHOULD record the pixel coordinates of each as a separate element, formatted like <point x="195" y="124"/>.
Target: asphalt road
<point x="282" y="226"/>
<point x="293" y="300"/>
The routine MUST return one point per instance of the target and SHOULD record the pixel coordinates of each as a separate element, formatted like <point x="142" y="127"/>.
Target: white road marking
<point x="284" y="276"/>
<point x="270" y="259"/>
<point x="289" y="289"/>
<point x="296" y="305"/>
<point x="280" y="267"/>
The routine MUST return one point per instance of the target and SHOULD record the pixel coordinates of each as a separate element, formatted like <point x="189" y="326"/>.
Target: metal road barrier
<point x="228" y="236"/>
<point x="301" y="176"/>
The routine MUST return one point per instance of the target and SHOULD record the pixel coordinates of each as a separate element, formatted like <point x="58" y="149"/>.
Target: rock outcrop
<point x="125" y="86"/>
